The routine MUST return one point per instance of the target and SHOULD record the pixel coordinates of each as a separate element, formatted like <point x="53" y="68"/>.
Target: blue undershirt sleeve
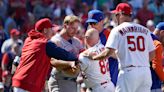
<point x="52" y="50"/>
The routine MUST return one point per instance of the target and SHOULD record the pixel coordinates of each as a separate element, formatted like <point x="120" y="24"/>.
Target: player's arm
<point x="151" y="55"/>
<point x="157" y="61"/>
<point x="151" y="47"/>
<point x="111" y="45"/>
<point x="5" y="61"/>
<point x="52" y="50"/>
<point x="61" y="64"/>
<point x="104" y="54"/>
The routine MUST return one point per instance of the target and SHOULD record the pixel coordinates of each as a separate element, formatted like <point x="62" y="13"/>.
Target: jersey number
<point x="103" y="68"/>
<point x="136" y="43"/>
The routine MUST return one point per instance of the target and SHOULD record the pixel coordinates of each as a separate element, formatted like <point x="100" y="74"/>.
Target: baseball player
<point x="97" y="72"/>
<point x="134" y="48"/>
<point x="60" y="81"/>
<point x="156" y="66"/>
<point x="159" y="31"/>
<point x="96" y="20"/>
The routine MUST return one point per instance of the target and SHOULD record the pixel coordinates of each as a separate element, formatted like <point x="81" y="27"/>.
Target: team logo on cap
<point x="90" y="16"/>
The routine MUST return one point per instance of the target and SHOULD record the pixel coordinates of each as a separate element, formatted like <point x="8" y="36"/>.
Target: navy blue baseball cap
<point x="95" y="16"/>
<point x="160" y="26"/>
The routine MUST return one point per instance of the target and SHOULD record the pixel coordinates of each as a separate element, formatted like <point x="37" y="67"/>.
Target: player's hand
<point x="89" y="55"/>
<point x="72" y="64"/>
<point x="72" y="71"/>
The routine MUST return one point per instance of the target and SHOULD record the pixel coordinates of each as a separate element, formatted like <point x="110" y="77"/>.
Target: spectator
<point x="3" y="9"/>
<point x="7" y="61"/>
<point x="2" y="37"/>
<point x="84" y="14"/>
<point x="157" y="8"/>
<point x="150" y="25"/>
<point x="9" y="22"/>
<point x="27" y="26"/>
<point x="20" y="10"/>
<point x="144" y="14"/>
<point x="61" y="10"/>
<point x="136" y="5"/>
<point x="14" y="34"/>
<point x="35" y="61"/>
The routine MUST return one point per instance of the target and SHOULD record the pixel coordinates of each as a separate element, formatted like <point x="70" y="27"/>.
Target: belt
<point x="100" y="84"/>
<point x="69" y="78"/>
<point x="130" y="66"/>
<point x="103" y="82"/>
<point x="64" y="78"/>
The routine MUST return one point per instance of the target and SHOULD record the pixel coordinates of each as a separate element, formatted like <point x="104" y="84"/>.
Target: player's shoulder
<point x="55" y="39"/>
<point x="76" y="40"/>
<point x="117" y="28"/>
<point x="83" y="58"/>
<point x="157" y="43"/>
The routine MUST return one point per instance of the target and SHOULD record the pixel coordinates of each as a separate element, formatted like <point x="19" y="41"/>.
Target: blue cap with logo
<point x="95" y="16"/>
<point x="160" y="26"/>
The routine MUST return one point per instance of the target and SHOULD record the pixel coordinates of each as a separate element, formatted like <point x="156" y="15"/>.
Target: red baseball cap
<point x="123" y="8"/>
<point x="43" y="23"/>
<point x="14" y="32"/>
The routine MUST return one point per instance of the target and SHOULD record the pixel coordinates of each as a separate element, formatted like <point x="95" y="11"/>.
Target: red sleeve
<point x="157" y="61"/>
<point x="5" y="59"/>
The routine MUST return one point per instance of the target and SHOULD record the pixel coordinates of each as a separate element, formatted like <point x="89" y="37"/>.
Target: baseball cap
<point x="123" y="8"/>
<point x="14" y="32"/>
<point x="43" y="23"/>
<point x="95" y="16"/>
<point x="160" y="26"/>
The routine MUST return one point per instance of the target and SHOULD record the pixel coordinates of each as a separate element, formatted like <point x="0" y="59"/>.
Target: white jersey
<point x="132" y="42"/>
<point x="74" y="47"/>
<point x="96" y="72"/>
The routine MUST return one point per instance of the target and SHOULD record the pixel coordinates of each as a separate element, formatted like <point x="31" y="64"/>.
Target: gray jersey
<point x="74" y="46"/>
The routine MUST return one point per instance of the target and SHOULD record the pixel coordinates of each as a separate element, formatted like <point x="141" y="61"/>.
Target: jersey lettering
<point x="103" y="68"/>
<point x="136" y="43"/>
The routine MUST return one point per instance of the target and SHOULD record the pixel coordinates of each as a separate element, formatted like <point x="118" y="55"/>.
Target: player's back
<point x="97" y="72"/>
<point x="133" y="45"/>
